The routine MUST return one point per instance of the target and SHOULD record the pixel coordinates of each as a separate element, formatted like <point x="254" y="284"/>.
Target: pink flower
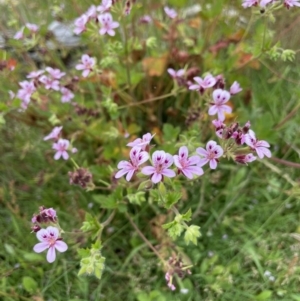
<point x="291" y="3"/>
<point x="249" y="3"/>
<point x="35" y="74"/>
<point x="145" y="19"/>
<point x="49" y="213"/>
<point x="235" y="88"/>
<point x="32" y="27"/>
<point x="87" y="64"/>
<point x="176" y="74"/>
<point x="185" y="164"/>
<point x="55" y="73"/>
<point x="91" y="13"/>
<point x="169" y="279"/>
<point x="108" y="24"/>
<point x="161" y="162"/>
<point x="202" y="84"/>
<point x="54" y="133"/>
<point x="260" y="146"/>
<point x="49" y="239"/>
<point x="220" y="97"/>
<point x="263" y="3"/>
<point x="244" y="159"/>
<point x="219" y="125"/>
<point x="141" y="142"/>
<point x="27" y="90"/>
<point x="137" y="157"/>
<point x="19" y="34"/>
<point x="171" y="13"/>
<point x="211" y="154"/>
<point x="61" y="147"/>
<point x="104" y="6"/>
<point x="67" y="95"/>
<point x="80" y="24"/>
<point x="49" y="82"/>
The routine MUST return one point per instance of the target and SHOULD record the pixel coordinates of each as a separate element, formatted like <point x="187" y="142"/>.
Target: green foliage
<point x="92" y="261"/>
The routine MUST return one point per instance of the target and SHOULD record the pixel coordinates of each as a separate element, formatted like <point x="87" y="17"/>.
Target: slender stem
<point x="148" y="243"/>
<point x="109" y="219"/>
<point x="285" y="162"/>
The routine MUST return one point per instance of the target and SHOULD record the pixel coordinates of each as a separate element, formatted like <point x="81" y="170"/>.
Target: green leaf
<point x="192" y="233"/>
<point x="170" y="132"/>
<point x="29" y="284"/>
<point x="264" y="295"/>
<point x="187" y="216"/>
<point x="168" y="225"/>
<point x="137" y="198"/>
<point x="172" y="198"/>
<point x="175" y="231"/>
<point x="162" y="189"/>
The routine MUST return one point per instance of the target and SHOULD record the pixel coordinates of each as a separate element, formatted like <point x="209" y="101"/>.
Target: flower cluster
<point x="98" y="14"/>
<point x="162" y="161"/>
<point x="29" y="27"/>
<point x="49" y="78"/>
<point x="242" y="135"/>
<point x="176" y="267"/>
<point x="62" y="146"/>
<point x="263" y="3"/>
<point x="50" y="237"/>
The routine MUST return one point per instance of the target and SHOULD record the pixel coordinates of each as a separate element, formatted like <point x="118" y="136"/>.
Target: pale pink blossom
<point x="220" y="97"/>
<point x="176" y="74"/>
<point x="161" y="163"/>
<point x="27" y="90"/>
<point x="49" y="82"/>
<point x="264" y="3"/>
<point x="202" y="84"/>
<point x="91" y="13"/>
<point x="291" y="3"/>
<point x="67" y="95"/>
<point x="219" y="125"/>
<point x="87" y="65"/>
<point x="61" y="147"/>
<point x="32" y="27"/>
<point x="169" y="279"/>
<point x="249" y="3"/>
<point x="211" y="154"/>
<point x="170" y="12"/>
<point x="19" y="34"/>
<point x="186" y="165"/>
<point x="55" y="73"/>
<point x="104" y="6"/>
<point x="142" y="142"/>
<point x="244" y="159"/>
<point x="145" y="19"/>
<point x="260" y="146"/>
<point x="74" y="150"/>
<point x="80" y="24"/>
<point x="54" y="133"/>
<point x="49" y="239"/>
<point x="137" y="157"/>
<point x="35" y="74"/>
<point x="235" y="88"/>
<point x="108" y="24"/>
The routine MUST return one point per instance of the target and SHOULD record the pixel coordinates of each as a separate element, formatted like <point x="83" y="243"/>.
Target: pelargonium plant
<point x="145" y="166"/>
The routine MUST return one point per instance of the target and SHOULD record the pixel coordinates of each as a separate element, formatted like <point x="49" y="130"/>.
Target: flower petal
<point x="40" y="247"/>
<point x="156" y="178"/>
<point x="61" y="246"/>
<point x="51" y="254"/>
